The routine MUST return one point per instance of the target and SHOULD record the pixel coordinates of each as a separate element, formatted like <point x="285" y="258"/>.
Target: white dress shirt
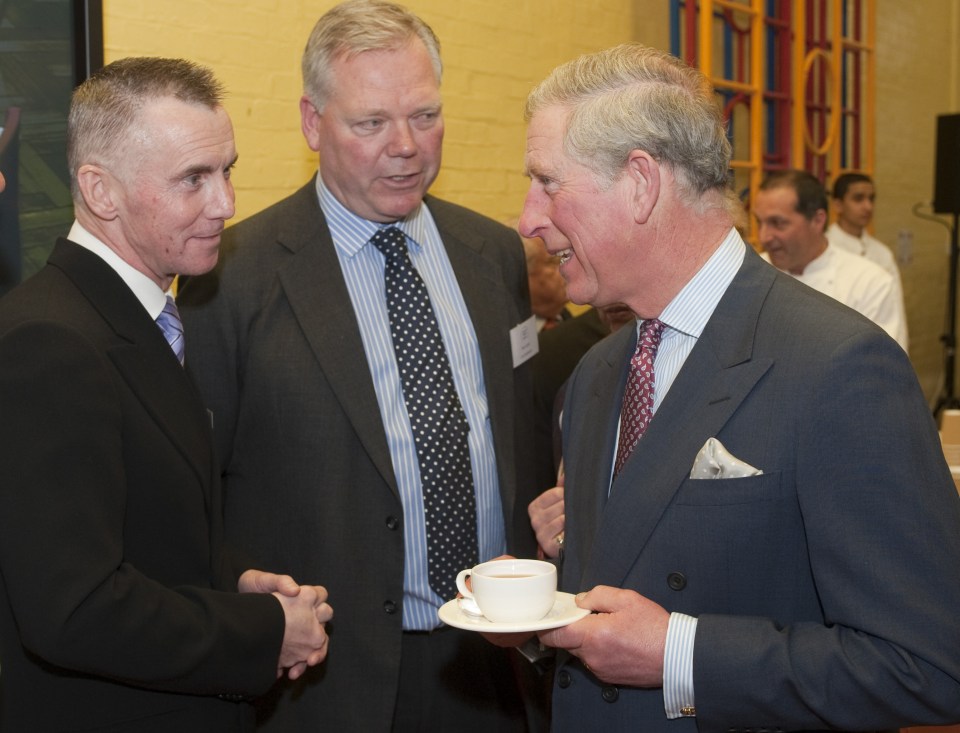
<point x="860" y="284"/>
<point x="146" y="290"/>
<point x="877" y="252"/>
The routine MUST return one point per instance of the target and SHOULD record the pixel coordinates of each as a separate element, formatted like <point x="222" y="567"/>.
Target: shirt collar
<point x="351" y="232"/>
<point x="692" y="307"/>
<point x="823" y="261"/>
<point x="146" y="290"/>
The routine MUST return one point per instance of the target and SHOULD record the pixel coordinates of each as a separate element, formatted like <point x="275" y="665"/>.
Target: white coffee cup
<point x="508" y="591"/>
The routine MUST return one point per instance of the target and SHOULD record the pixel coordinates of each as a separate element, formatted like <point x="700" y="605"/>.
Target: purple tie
<point x="169" y="322"/>
<point x="637" y="409"/>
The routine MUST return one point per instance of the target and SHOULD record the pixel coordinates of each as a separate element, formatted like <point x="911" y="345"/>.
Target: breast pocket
<point x="730" y="491"/>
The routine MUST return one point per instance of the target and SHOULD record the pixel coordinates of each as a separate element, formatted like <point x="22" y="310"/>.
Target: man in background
<point x="854" y="196"/>
<point x="345" y="322"/>
<point x="118" y="604"/>
<point x="747" y="469"/>
<point x="791" y="211"/>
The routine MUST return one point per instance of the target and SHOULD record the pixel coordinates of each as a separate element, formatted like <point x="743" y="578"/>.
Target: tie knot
<point x="390" y="241"/>
<point x="650" y="334"/>
<point x="170" y="309"/>
<point x="172" y="327"/>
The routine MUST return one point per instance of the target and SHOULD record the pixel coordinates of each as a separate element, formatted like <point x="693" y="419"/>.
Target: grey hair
<point x="106" y="106"/>
<point x="353" y="27"/>
<point x="632" y="97"/>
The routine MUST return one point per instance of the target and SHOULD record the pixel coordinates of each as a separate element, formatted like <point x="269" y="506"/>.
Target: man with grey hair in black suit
<point x="119" y="607"/>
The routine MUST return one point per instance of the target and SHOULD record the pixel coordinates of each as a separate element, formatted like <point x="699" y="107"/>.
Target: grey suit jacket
<point x="827" y="588"/>
<point x="309" y="483"/>
<point x="113" y="614"/>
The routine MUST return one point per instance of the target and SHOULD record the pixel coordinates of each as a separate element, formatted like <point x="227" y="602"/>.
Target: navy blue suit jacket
<point x="827" y="588"/>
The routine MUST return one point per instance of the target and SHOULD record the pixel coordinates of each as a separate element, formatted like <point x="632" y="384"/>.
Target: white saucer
<point x="565" y="611"/>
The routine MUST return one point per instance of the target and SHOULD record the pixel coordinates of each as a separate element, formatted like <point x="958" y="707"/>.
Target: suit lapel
<point x="317" y="293"/>
<point x="142" y="357"/>
<point x="717" y="376"/>
<point x="313" y="282"/>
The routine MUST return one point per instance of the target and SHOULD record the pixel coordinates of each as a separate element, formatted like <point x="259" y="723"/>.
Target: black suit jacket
<point x="309" y="480"/>
<point x="113" y="610"/>
<point x="827" y="587"/>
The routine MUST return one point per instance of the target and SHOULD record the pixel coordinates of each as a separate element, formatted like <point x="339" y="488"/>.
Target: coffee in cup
<point x="510" y="591"/>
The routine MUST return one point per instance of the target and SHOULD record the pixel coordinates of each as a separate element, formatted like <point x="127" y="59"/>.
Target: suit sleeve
<point x="881" y="518"/>
<point x="77" y="601"/>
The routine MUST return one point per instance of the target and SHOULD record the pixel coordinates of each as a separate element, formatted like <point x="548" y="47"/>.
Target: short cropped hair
<point x="353" y="27"/>
<point x="633" y="97"/>
<point x="811" y="195"/>
<point x="844" y="181"/>
<point x="106" y="106"/>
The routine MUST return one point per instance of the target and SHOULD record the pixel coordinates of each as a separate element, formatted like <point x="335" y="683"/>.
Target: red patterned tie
<point x="637" y="409"/>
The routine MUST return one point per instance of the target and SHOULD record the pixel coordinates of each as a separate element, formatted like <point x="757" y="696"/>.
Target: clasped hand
<point x="305" y="611"/>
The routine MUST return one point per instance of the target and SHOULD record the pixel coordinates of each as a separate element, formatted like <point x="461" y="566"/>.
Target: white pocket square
<point x="715" y="461"/>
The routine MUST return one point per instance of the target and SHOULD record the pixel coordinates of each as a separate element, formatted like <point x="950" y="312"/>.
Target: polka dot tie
<point x="637" y="409"/>
<point x="436" y="417"/>
<point x="172" y="327"/>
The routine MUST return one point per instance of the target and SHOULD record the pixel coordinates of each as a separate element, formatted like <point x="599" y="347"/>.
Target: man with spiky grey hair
<point x="119" y="603"/>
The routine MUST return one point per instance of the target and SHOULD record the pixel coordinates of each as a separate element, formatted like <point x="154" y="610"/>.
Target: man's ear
<point x="310" y="121"/>
<point x="819" y="219"/>
<point x="643" y="173"/>
<point x="98" y="190"/>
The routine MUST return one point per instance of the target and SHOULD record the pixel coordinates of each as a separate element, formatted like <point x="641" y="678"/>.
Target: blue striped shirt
<point x="363" y="270"/>
<point x="685" y="318"/>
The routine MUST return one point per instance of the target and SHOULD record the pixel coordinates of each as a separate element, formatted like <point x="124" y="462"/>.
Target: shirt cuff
<point x="678" y="701"/>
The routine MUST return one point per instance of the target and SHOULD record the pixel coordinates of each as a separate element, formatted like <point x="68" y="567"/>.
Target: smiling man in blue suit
<point x="757" y="507"/>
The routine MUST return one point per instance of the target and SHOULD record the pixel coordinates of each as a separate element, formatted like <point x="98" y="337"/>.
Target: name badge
<point x="523" y="341"/>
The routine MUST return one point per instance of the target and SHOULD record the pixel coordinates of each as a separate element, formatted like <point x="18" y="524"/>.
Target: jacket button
<point x="677" y="581"/>
<point x="392" y="522"/>
<point x="610" y="694"/>
<point x="390" y="607"/>
<point x="564" y="679"/>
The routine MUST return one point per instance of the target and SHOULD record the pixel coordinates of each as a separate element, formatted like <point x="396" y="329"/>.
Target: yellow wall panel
<point x="915" y="83"/>
<point x="494" y="51"/>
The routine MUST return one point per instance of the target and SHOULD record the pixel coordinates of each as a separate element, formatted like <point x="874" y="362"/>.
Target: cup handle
<point x="462" y="583"/>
